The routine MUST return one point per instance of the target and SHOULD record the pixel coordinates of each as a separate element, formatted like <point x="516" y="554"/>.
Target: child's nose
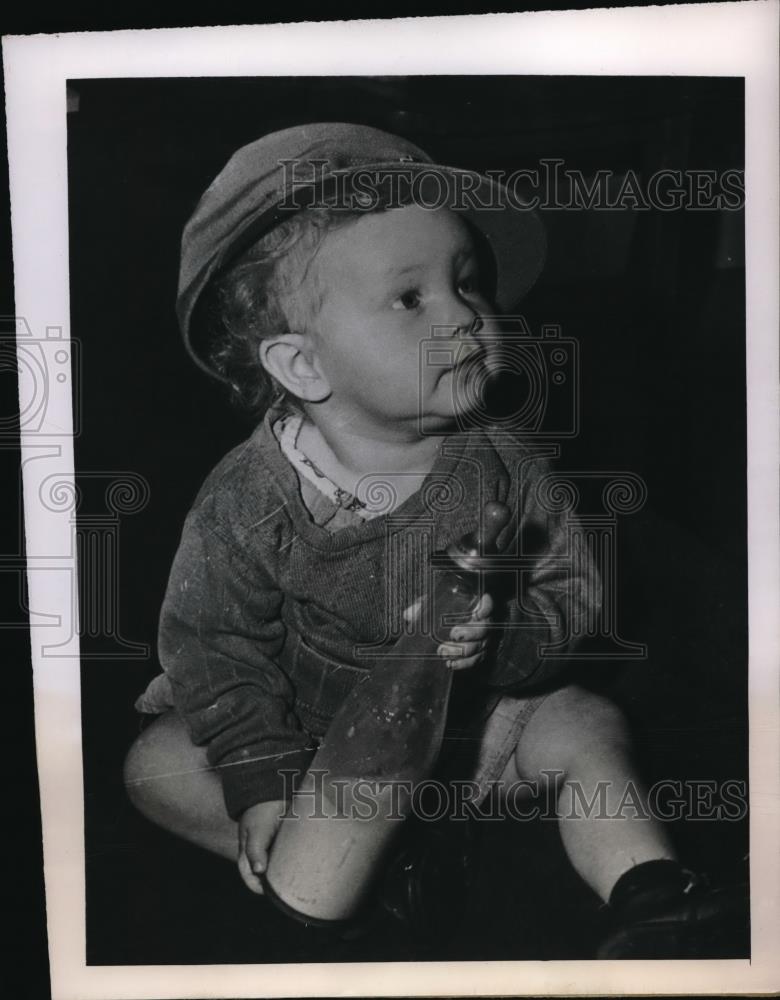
<point x="466" y="337"/>
<point x="464" y="320"/>
<point x="468" y="331"/>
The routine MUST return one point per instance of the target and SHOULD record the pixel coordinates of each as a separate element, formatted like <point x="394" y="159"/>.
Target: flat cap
<point x="297" y="168"/>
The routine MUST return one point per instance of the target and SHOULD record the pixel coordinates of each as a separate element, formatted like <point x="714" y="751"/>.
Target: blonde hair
<point x="269" y="290"/>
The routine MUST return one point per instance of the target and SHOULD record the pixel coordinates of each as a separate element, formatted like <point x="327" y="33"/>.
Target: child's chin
<point x="454" y="417"/>
<point x="442" y="423"/>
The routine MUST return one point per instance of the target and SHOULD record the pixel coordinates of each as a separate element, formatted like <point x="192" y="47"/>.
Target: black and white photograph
<point x="408" y="531"/>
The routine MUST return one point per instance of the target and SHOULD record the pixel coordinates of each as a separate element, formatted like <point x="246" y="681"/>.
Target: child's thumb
<point x="412" y="613"/>
<point x="256" y="850"/>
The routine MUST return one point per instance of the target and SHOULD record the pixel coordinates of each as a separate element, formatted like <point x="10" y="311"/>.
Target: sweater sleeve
<point x="220" y="632"/>
<point x="555" y="597"/>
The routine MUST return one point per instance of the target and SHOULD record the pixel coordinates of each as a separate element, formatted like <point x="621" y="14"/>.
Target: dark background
<point x="658" y="310"/>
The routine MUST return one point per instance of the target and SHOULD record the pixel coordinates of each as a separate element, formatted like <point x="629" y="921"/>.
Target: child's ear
<point x="293" y="363"/>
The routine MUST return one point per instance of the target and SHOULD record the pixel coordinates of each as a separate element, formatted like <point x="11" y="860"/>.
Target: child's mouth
<point x="470" y="357"/>
<point x="470" y="378"/>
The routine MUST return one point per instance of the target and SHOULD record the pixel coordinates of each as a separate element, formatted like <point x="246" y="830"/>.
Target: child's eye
<point x="468" y="285"/>
<point x="409" y="300"/>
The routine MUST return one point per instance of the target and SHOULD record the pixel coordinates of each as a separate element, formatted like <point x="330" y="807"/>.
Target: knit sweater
<point x="269" y="619"/>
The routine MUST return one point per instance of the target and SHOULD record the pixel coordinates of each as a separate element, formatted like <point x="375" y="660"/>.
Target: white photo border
<point x="725" y="39"/>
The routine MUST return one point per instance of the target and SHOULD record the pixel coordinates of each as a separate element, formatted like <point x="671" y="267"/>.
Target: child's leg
<point x="586" y="737"/>
<point x="169" y="780"/>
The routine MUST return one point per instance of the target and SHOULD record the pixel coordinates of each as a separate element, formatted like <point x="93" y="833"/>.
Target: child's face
<point x="389" y="279"/>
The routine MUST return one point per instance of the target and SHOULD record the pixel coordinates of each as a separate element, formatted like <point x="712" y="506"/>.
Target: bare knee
<point x="589" y="718"/>
<point x="141" y="766"/>
<point x="170" y="781"/>
<point x="158" y="764"/>
<point x="571" y="728"/>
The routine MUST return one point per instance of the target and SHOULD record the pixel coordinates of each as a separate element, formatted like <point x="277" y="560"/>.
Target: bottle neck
<point x="456" y="578"/>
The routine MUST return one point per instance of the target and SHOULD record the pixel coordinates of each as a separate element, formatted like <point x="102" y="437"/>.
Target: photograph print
<point x="411" y="513"/>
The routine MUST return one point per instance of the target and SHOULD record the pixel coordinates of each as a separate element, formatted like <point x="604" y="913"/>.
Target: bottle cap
<point x="468" y="550"/>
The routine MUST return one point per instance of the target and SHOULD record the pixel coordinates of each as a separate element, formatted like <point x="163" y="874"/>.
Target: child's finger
<point x="484" y="608"/>
<point x="251" y="881"/>
<point x="412" y="612"/>
<point x="465" y="663"/>
<point x="457" y="651"/>
<point x="463" y="655"/>
<point x="256" y="848"/>
<point x="469" y="633"/>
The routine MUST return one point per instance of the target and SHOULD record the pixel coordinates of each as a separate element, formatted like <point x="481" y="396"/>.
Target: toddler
<point x="315" y="270"/>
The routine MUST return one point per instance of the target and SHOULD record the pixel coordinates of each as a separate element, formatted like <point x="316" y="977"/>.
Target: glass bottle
<point x="385" y="738"/>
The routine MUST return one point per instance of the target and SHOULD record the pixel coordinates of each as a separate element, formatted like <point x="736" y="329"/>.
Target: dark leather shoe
<point x="698" y="921"/>
<point x="427" y="884"/>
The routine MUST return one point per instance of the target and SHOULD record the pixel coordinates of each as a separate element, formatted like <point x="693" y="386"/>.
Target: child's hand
<point x="256" y="831"/>
<point x="468" y="642"/>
